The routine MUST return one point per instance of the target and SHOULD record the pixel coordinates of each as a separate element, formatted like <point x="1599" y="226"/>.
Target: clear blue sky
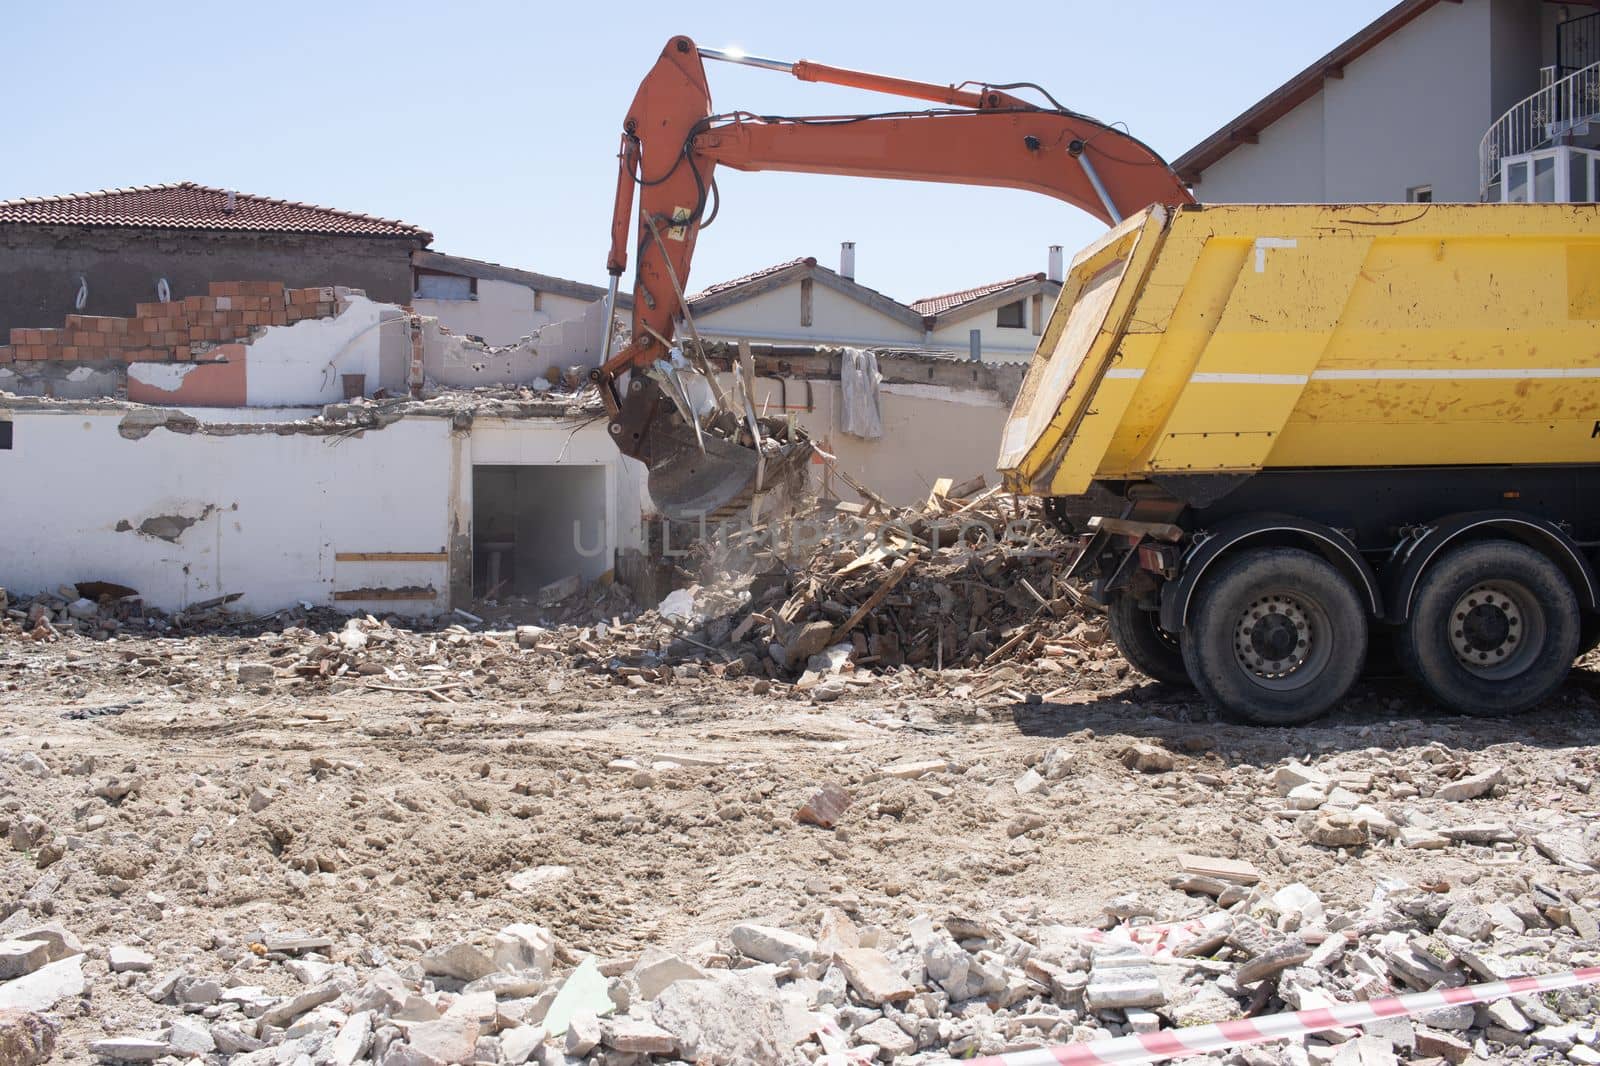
<point x="495" y="124"/>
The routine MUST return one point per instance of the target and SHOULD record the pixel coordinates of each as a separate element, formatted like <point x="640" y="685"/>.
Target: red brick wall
<point x="176" y="331"/>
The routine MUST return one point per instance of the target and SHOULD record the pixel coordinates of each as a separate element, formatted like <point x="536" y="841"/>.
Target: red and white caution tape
<point x="1171" y="1043"/>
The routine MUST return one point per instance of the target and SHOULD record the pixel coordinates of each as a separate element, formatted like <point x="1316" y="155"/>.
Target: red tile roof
<point x="186" y="205"/>
<point x="938" y="305"/>
<point x="764" y="272"/>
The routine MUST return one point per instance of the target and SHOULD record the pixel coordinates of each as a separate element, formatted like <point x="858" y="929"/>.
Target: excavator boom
<point x="672" y="144"/>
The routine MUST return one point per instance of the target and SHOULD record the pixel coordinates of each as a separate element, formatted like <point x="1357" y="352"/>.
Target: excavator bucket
<point x="688" y="484"/>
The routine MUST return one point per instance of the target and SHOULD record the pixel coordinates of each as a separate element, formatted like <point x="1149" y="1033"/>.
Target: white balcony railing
<point x="1552" y="112"/>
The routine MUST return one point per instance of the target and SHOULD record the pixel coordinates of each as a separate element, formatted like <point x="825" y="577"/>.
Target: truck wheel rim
<point x="1496" y="629"/>
<point x="1281" y="641"/>
<point x="1167" y="639"/>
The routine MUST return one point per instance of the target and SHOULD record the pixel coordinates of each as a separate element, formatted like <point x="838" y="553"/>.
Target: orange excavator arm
<point x="673" y="142"/>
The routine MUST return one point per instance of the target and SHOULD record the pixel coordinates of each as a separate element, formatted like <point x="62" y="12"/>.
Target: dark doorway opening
<point x="533" y="525"/>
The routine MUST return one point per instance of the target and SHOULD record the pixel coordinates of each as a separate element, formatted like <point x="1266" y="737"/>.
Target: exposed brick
<point x="6" y="355"/>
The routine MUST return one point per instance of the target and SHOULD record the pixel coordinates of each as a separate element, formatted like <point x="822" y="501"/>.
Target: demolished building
<point x="316" y="446"/>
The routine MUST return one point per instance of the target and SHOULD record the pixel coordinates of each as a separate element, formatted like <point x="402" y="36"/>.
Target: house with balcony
<point x="1433" y="101"/>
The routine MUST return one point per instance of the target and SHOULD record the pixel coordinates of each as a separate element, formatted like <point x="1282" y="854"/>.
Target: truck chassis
<point x="1264" y="591"/>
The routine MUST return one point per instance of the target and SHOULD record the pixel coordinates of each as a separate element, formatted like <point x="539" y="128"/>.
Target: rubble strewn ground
<point x="697" y="834"/>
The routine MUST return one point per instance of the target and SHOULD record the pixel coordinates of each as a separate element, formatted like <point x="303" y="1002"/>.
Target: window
<point x="446" y="287"/>
<point x="1561" y="175"/>
<point x="1012" y="316"/>
<point x="5" y="436"/>
<point x="1420" y="194"/>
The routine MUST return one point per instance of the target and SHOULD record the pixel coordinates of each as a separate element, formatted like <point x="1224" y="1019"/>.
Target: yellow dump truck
<point x="1284" y="432"/>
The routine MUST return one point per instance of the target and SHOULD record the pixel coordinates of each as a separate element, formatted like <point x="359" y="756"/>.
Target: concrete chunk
<point x="726" y="1020"/>
<point x="187" y="1037"/>
<point x="46" y="986"/>
<point x="873" y="976"/>
<point x="1288" y="778"/>
<point x="1468" y="788"/>
<point x="352" y="1041"/>
<point x="1119" y="983"/>
<point x="460" y="960"/>
<point x="291" y="1008"/>
<point x="583" y="1033"/>
<point x="891" y="1040"/>
<point x="524" y="946"/>
<point x="638" y="1037"/>
<point x="1234" y="871"/>
<point x="21" y="957"/>
<point x="129" y="1049"/>
<point x="657" y="969"/>
<point x="910" y="771"/>
<point x="126" y="959"/>
<point x="765" y="943"/>
<point x="62" y="944"/>
<point x="448" y="1039"/>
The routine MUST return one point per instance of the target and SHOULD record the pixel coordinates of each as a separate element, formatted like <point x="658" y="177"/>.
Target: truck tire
<point x="1276" y="637"/>
<point x="1494" y="629"/>
<point x="1150" y="649"/>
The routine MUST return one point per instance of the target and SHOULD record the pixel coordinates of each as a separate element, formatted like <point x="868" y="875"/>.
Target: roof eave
<point x="419" y="235"/>
<point x="989" y="301"/>
<point x="486" y="271"/>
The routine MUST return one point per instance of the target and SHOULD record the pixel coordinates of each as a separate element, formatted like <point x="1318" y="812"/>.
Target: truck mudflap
<point x="1116" y="550"/>
<point x="1072" y="369"/>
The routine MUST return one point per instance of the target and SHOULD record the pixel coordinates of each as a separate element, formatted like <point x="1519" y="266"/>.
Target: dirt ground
<point x="390" y="821"/>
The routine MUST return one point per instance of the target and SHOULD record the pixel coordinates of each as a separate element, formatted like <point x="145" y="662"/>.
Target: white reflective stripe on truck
<point x="1485" y="374"/>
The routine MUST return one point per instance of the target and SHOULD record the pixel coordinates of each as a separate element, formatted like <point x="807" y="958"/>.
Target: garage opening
<point x="534" y="525"/>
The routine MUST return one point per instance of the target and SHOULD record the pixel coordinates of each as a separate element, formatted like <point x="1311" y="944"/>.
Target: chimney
<point x="1054" y="273"/>
<point x="847" y="259"/>
<point x="232" y="204"/>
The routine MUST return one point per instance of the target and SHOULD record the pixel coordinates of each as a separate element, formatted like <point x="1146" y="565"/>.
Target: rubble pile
<point x="965" y="596"/>
<point x="851" y="992"/>
<point x="1439" y="870"/>
<point x="98" y="610"/>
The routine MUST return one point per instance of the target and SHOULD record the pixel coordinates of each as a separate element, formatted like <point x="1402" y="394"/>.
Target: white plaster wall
<point x="835" y="319"/>
<point x="528" y="442"/>
<point x="302" y="364"/>
<point x="454" y="360"/>
<point x="929" y="432"/>
<point x="1410" y="112"/>
<point x="282" y="507"/>
<point x="503" y="312"/>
